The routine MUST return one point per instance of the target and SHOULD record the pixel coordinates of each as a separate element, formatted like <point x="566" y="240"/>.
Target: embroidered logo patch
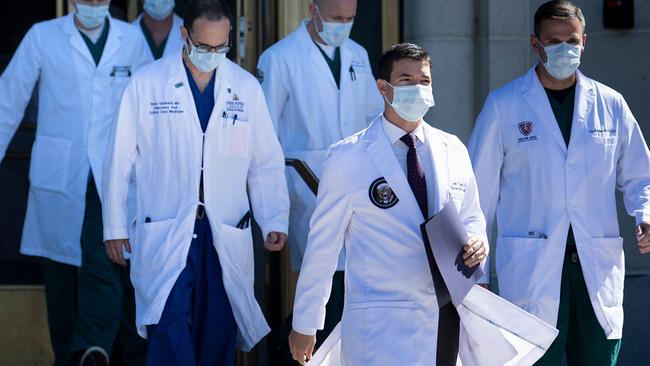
<point x="381" y="194"/>
<point x="526" y="128"/>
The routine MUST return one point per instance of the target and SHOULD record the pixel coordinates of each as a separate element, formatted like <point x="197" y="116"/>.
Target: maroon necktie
<point x="448" y="321"/>
<point x="415" y="174"/>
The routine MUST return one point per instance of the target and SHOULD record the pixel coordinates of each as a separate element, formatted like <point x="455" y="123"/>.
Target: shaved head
<point x="334" y="10"/>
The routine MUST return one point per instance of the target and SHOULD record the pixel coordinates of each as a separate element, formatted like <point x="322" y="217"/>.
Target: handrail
<point x="303" y="170"/>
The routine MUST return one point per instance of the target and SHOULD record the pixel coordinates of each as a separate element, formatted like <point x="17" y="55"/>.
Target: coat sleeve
<point x="273" y="83"/>
<point x="470" y="210"/>
<point x="120" y="156"/>
<point x="327" y="230"/>
<point x="633" y="166"/>
<point x="374" y="100"/>
<point x="486" y="153"/>
<point x="16" y="86"/>
<point x="266" y="181"/>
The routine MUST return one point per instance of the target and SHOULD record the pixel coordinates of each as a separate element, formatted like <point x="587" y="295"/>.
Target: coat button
<point x="194" y="236"/>
<point x="431" y="326"/>
<point x="431" y="290"/>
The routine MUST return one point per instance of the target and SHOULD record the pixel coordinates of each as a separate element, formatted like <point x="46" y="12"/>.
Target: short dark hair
<point x="209" y="9"/>
<point x="558" y="10"/>
<point x="398" y="52"/>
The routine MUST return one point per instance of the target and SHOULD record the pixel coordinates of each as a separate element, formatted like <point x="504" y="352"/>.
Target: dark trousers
<point x="197" y="326"/>
<point x="581" y="337"/>
<point x="87" y="306"/>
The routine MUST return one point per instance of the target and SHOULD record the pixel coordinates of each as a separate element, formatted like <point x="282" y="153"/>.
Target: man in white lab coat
<point x="319" y="87"/>
<point x="194" y="129"/>
<point x="81" y="63"/>
<point x="549" y="151"/>
<point x="160" y="28"/>
<point x="376" y="188"/>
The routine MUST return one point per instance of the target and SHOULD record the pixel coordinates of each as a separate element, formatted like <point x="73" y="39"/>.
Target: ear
<point x="384" y="89"/>
<point x="184" y="33"/>
<point x="539" y="50"/>
<point x="533" y="43"/>
<point x="584" y="41"/>
<point x="313" y="10"/>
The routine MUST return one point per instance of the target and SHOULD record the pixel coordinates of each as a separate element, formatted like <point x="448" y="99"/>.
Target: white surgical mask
<point x="412" y="102"/>
<point x="333" y="33"/>
<point x="205" y="61"/>
<point x="158" y="9"/>
<point x="91" y="16"/>
<point x="562" y="59"/>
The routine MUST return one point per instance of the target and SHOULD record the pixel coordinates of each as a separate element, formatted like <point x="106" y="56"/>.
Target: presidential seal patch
<point x="381" y="194"/>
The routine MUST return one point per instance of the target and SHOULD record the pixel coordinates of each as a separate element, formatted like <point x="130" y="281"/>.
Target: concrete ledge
<point x="25" y="339"/>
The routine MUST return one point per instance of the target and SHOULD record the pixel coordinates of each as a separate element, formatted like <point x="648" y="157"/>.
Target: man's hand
<point x="475" y="251"/>
<point x="643" y="237"/>
<point x="114" y="250"/>
<point x="301" y="346"/>
<point x="275" y="241"/>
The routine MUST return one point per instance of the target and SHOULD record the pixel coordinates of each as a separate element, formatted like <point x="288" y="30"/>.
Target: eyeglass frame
<point x="204" y="48"/>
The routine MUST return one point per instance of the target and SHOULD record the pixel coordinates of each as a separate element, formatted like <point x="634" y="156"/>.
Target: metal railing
<point x="306" y="174"/>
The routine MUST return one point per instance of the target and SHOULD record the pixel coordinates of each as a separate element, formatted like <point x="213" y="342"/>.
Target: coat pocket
<point x="609" y="269"/>
<point x="50" y="163"/>
<point x="237" y="249"/>
<point x="382" y="332"/>
<point x="521" y="270"/>
<point x="150" y="248"/>
<point x="234" y="137"/>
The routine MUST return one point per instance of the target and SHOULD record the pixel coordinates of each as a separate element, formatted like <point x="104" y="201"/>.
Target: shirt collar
<point x="394" y="133"/>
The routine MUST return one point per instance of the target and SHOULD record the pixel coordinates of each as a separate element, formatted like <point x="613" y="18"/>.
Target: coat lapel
<point x="440" y="159"/>
<point x="113" y="42"/>
<point x="181" y="83"/>
<point x="584" y="101"/>
<point x="222" y="91"/>
<point x="537" y="99"/>
<point x="314" y="54"/>
<point x="76" y="41"/>
<point x="381" y="153"/>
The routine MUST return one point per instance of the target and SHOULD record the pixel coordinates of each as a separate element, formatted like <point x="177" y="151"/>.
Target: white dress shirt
<point x="400" y="149"/>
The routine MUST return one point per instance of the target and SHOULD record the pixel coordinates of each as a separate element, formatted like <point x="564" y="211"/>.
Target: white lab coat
<point x="158" y="135"/>
<point x="77" y="105"/>
<point x="391" y="311"/>
<point x="309" y="113"/>
<point x="493" y="332"/>
<point x="531" y="182"/>
<point x="174" y="39"/>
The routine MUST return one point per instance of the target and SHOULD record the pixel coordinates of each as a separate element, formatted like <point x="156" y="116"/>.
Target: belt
<point x="571" y="251"/>
<point x="200" y="211"/>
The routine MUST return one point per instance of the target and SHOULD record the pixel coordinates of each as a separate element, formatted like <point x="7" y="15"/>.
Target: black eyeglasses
<point x="206" y="49"/>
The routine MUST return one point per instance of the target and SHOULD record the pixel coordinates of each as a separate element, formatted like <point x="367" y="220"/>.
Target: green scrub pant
<point x="92" y="305"/>
<point x="581" y="337"/>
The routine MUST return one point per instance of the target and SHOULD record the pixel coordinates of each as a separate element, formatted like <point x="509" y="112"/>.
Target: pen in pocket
<point x="245" y="221"/>
<point x="537" y="235"/>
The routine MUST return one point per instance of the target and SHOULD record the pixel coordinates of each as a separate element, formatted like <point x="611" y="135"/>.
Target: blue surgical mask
<point x="562" y="59"/>
<point x="91" y="16"/>
<point x="205" y="61"/>
<point x="412" y="102"/>
<point x="333" y="33"/>
<point x="158" y="9"/>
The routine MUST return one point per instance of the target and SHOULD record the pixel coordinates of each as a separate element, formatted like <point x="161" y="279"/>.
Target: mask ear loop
<point x="386" y="99"/>
<point x="544" y="48"/>
<point x="322" y="26"/>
